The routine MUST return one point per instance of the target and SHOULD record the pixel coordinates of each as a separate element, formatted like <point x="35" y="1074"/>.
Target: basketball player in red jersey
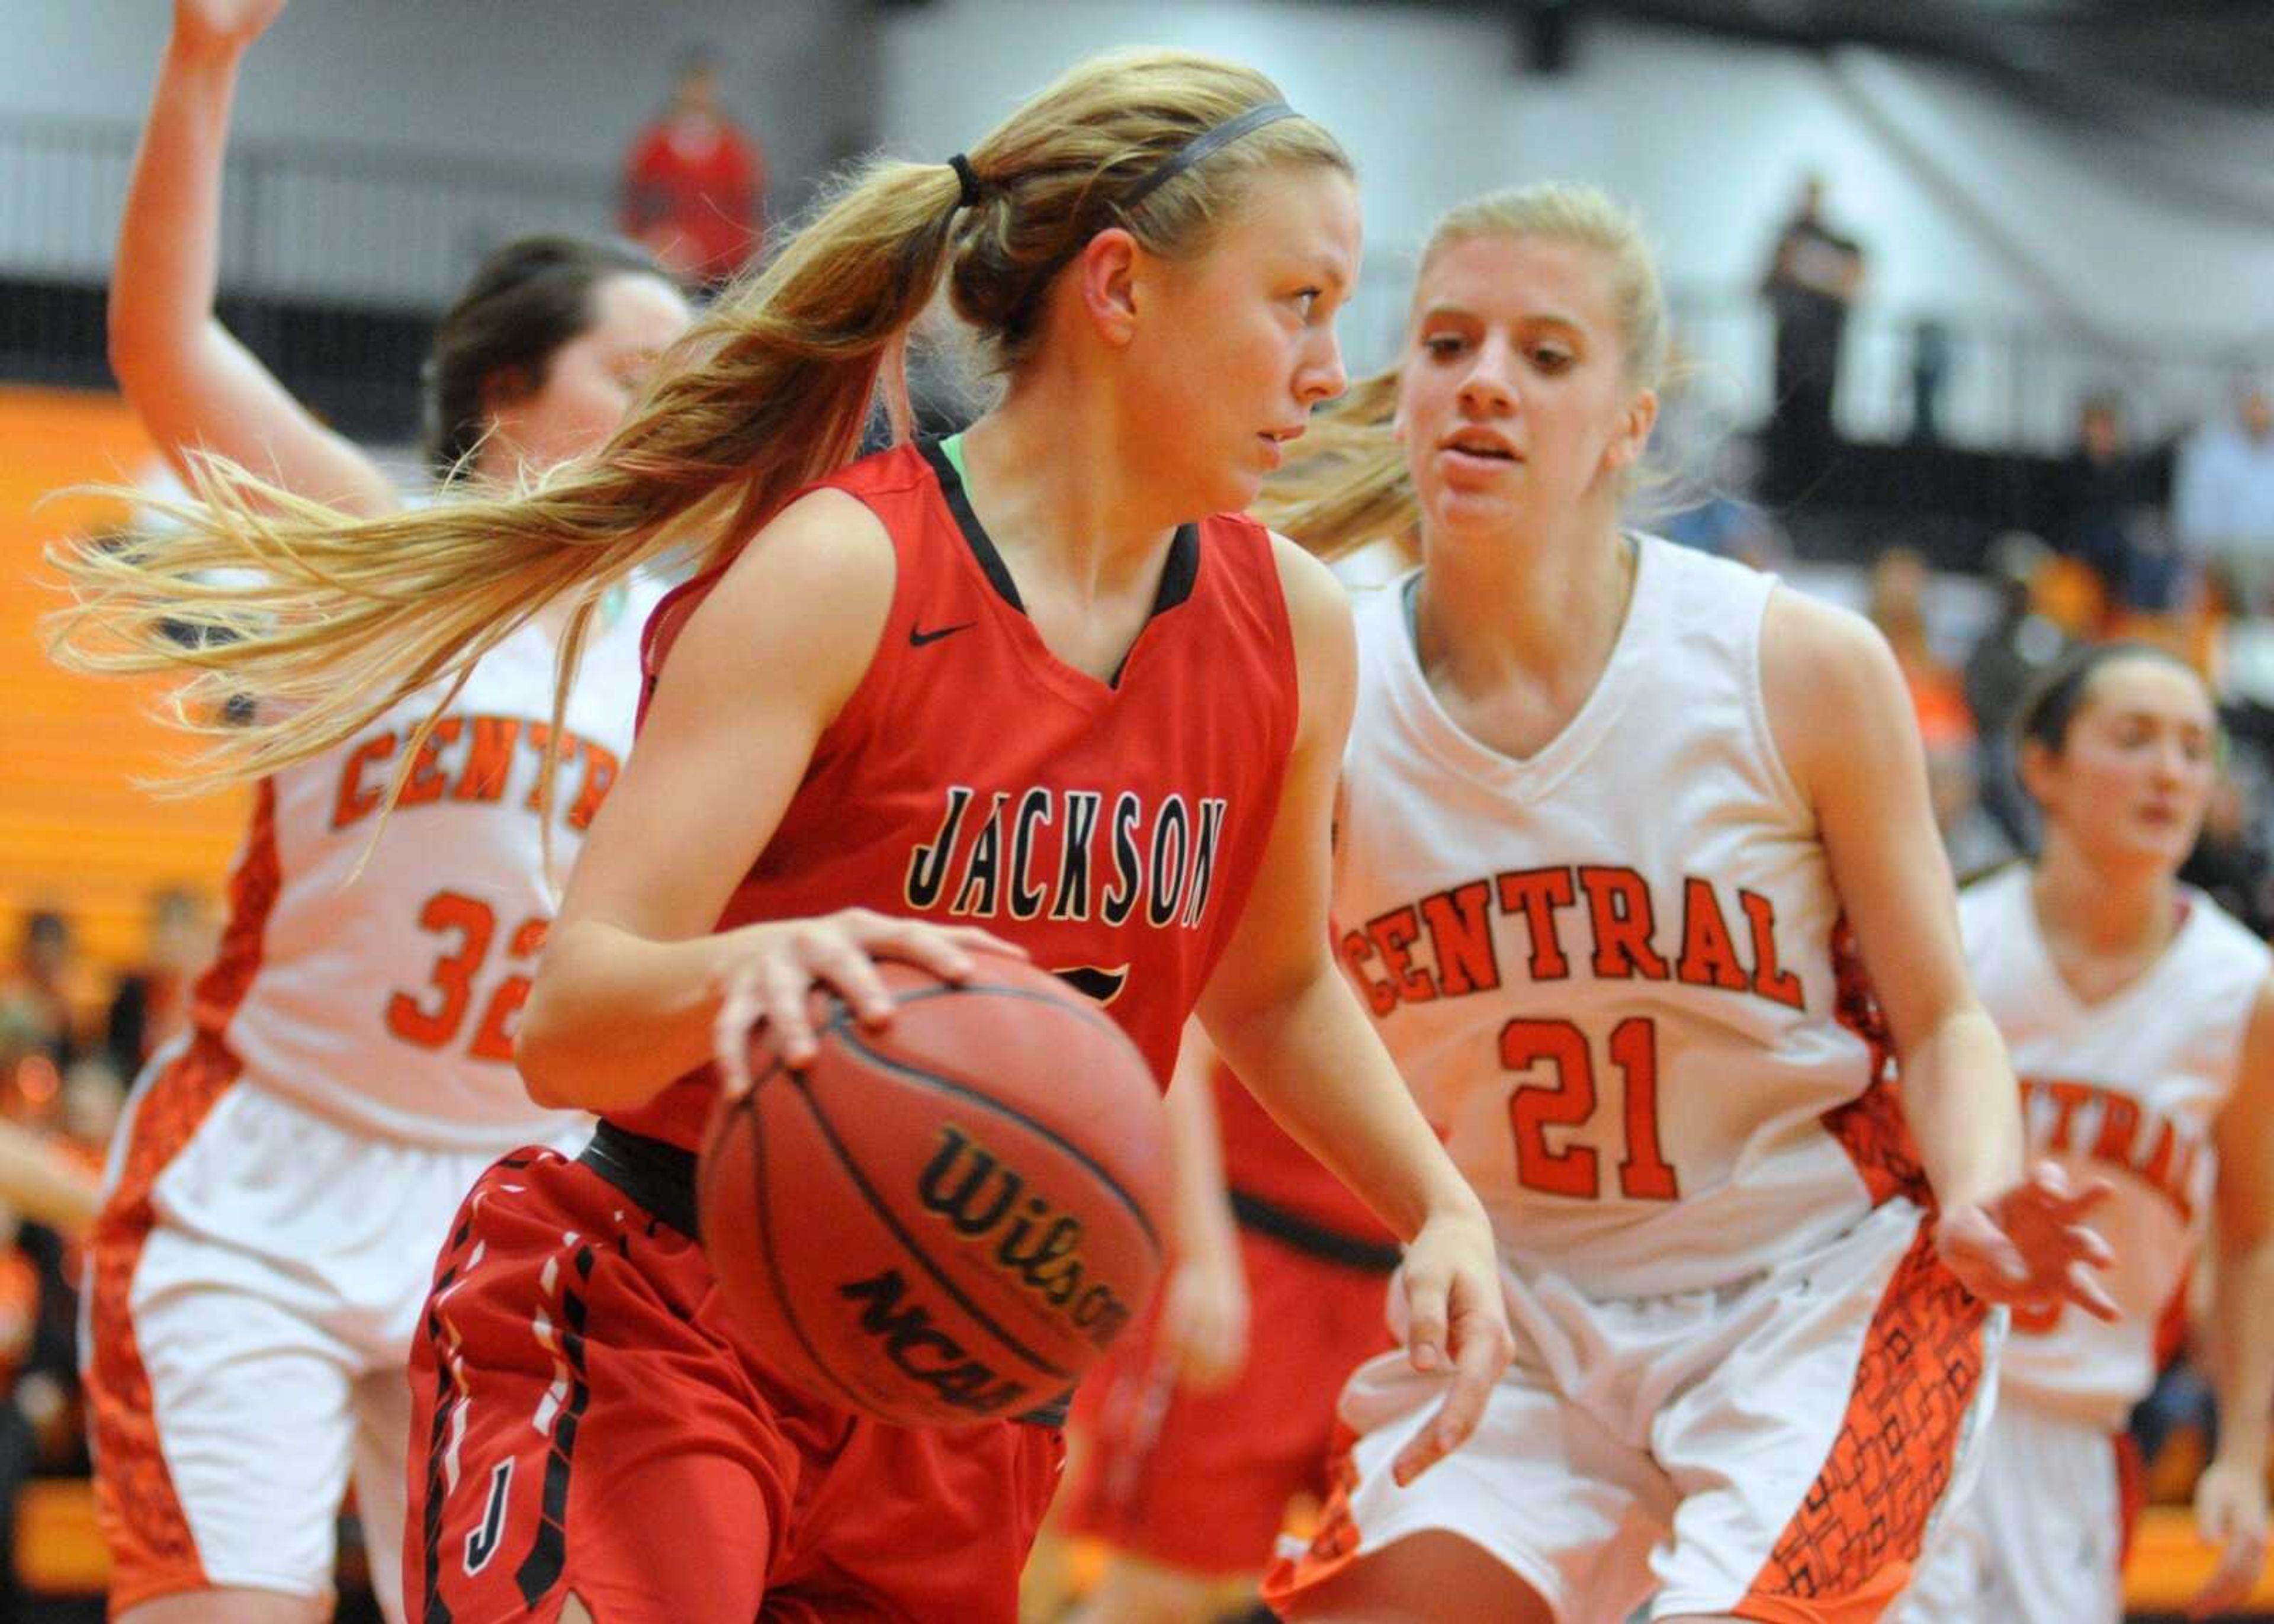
<point x="1013" y="681"/>
<point x="1208" y="1420"/>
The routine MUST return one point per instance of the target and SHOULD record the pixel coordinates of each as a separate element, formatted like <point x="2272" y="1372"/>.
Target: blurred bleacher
<point x="76" y="833"/>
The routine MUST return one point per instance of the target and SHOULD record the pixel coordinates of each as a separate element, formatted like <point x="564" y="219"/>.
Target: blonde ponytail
<point x="324" y="622"/>
<point x="1349" y="486"/>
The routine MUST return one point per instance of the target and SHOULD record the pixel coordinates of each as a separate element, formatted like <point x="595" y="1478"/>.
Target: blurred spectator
<point x="2023" y="643"/>
<point x="1706" y="472"/>
<point x="1931" y="356"/>
<point x="43" y="995"/>
<point x="694" y="184"/>
<point x="152" y="1001"/>
<point x="2230" y="861"/>
<point x="19" y="1320"/>
<point x="94" y="1097"/>
<point x="2106" y="516"/>
<point x="2223" y="499"/>
<point x="1813" y="276"/>
<point x="1728" y="527"/>
<point x="1897" y="606"/>
<point x="1976" y="841"/>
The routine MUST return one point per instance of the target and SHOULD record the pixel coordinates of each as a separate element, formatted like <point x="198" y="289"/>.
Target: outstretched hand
<point x="2029" y="1245"/>
<point x="1455" y="1315"/>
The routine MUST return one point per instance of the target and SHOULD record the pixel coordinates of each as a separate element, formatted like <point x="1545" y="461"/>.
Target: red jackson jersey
<point x="1111" y="829"/>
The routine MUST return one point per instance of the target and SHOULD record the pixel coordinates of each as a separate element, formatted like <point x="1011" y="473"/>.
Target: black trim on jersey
<point x="659" y="1175"/>
<point x="1178" y="576"/>
<point x="434" y="1609"/>
<point x="548" y="1552"/>
<point x="1300" y="1234"/>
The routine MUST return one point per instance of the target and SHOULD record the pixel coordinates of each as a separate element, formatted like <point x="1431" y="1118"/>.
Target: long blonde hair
<point x="1349" y="486"/>
<point x="325" y="621"/>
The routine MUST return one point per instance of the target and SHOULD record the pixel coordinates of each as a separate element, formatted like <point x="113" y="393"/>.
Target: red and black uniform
<point x="1202" y="1481"/>
<point x="594" y="1423"/>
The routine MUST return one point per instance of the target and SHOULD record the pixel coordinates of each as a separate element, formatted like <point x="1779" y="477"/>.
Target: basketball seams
<point x="914" y="1248"/>
<point x="779" y="1274"/>
<point x="842" y="1025"/>
<point x="784" y="1302"/>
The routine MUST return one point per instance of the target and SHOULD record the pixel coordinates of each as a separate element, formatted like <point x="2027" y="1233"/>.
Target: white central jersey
<point x="1607" y="972"/>
<point x="2126" y="1090"/>
<point x="388" y="1001"/>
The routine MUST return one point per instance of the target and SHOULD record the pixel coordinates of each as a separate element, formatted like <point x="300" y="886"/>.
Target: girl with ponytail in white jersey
<point x="1622" y="828"/>
<point x="2140" y="1019"/>
<point x="288" y="1171"/>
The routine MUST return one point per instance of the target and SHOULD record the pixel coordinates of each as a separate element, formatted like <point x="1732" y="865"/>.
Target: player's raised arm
<point x="193" y="384"/>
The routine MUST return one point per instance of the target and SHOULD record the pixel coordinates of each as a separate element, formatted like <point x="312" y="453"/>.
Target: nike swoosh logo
<point x="918" y="636"/>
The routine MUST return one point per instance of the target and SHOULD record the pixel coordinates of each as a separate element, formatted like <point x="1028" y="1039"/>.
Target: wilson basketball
<point x="950" y="1219"/>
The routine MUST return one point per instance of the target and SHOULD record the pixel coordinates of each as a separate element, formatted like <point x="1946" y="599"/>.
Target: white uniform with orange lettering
<point x="2125" y="1090"/>
<point x="1617" y="977"/>
<point x="285" y="1174"/>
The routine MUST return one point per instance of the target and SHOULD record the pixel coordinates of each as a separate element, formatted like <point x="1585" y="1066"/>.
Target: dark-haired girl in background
<point x="287" y="1170"/>
<point x="2141" y="1018"/>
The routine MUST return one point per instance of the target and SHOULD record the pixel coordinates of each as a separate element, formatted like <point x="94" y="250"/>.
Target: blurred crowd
<point x="70" y="1040"/>
<point x="2171" y="544"/>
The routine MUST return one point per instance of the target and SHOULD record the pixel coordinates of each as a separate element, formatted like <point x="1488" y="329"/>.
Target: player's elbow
<point x="546" y="1054"/>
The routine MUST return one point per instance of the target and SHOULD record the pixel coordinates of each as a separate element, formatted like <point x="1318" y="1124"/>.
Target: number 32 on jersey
<point x="433" y="1016"/>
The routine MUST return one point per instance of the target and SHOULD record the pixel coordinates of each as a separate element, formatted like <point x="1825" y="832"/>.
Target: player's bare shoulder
<point x="1326" y="640"/>
<point x="808" y="597"/>
<point x="1830" y="685"/>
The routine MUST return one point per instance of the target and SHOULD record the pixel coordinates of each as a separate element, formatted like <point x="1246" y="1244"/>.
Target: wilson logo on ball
<point x="1038" y="1246"/>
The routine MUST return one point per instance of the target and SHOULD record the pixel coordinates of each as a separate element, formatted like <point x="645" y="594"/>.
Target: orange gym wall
<point x="75" y="832"/>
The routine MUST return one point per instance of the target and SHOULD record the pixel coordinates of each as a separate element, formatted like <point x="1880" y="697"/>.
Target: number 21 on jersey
<point x="1557" y="1053"/>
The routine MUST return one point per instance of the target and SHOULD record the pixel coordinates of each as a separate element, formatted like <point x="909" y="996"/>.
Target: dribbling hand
<point x="2030" y="1246"/>
<point x="1456" y="1314"/>
<point x="769" y="983"/>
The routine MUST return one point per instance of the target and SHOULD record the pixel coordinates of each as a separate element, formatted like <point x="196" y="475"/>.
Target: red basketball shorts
<point x="1202" y="1481"/>
<point x="589" y="1423"/>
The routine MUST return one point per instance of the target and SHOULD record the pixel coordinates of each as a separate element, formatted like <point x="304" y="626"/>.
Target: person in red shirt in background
<point x="694" y="186"/>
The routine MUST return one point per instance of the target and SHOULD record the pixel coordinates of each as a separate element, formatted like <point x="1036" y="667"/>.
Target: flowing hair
<point x="1348" y="483"/>
<point x="324" y="622"/>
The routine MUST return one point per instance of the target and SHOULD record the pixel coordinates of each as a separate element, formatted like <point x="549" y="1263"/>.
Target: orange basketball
<point x="949" y="1219"/>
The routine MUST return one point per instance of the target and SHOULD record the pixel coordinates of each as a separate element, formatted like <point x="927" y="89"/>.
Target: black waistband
<point x="660" y="1176"/>
<point x="1314" y="1240"/>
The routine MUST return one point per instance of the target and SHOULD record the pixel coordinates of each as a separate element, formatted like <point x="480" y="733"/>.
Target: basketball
<point x="950" y="1219"/>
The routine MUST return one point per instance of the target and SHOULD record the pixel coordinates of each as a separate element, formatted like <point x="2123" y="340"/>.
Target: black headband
<point x="964" y="172"/>
<point x="1206" y="143"/>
